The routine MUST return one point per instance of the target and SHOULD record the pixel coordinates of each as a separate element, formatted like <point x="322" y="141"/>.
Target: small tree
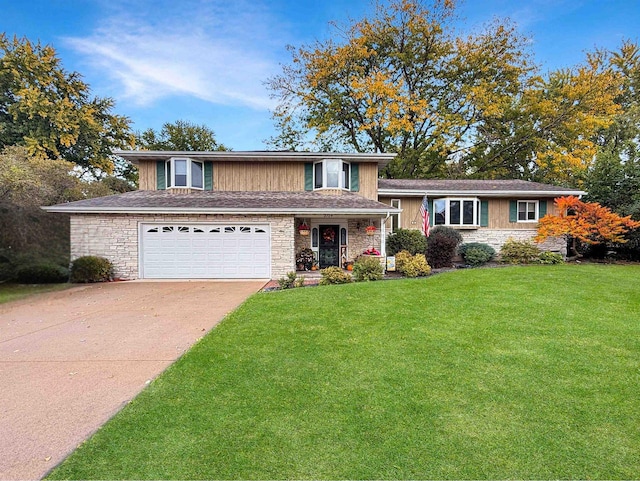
<point x="586" y="222"/>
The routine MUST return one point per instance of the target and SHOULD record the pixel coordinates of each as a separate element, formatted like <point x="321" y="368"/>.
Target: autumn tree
<point x="402" y="82"/>
<point x="586" y="222"/>
<point x="51" y="112"/>
<point x="180" y="136"/>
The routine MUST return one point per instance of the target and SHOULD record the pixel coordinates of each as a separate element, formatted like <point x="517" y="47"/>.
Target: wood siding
<point x="498" y="213"/>
<point x="147" y="178"/>
<point x="263" y="176"/>
<point x="368" y="180"/>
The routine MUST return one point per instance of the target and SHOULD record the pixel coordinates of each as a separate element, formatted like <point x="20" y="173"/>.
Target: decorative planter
<point x="371" y="230"/>
<point x="303" y="229"/>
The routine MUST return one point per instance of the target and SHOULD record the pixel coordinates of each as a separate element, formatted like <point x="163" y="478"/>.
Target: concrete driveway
<point x="70" y="360"/>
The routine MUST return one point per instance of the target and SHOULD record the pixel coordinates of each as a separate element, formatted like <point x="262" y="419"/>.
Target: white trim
<point x="478" y="193"/>
<point x="199" y="210"/>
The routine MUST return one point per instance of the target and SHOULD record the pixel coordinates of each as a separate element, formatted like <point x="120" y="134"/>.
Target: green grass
<point x="520" y="372"/>
<point x="12" y="292"/>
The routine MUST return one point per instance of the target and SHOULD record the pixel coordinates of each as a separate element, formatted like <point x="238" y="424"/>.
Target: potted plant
<point x="371" y="251"/>
<point x="304" y="259"/>
<point x="371" y="229"/>
<point x="303" y="229"/>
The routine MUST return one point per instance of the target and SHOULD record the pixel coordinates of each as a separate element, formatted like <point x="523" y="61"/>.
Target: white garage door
<point x="205" y="251"/>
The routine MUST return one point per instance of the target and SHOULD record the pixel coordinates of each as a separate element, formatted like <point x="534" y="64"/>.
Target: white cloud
<point x="219" y="55"/>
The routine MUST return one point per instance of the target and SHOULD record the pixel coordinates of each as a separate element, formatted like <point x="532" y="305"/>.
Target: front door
<point x="329" y="246"/>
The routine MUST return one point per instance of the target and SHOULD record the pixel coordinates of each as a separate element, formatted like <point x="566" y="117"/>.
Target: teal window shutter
<point x="513" y="211"/>
<point x="542" y="209"/>
<point x="431" y="214"/>
<point x="161" y="181"/>
<point x="308" y="176"/>
<point x="208" y="176"/>
<point x="355" y="177"/>
<point x="484" y="213"/>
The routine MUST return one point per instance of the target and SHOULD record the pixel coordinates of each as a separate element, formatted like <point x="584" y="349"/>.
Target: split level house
<point x="225" y="215"/>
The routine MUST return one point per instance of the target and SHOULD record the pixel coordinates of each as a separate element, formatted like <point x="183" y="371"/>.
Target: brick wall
<point x="115" y="237"/>
<point x="497" y="237"/>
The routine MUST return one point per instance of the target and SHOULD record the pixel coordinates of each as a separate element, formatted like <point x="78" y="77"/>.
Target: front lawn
<point x="12" y="292"/>
<point x="520" y="372"/>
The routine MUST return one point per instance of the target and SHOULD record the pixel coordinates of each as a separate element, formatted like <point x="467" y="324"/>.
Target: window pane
<point x="196" y="174"/>
<point x="333" y="172"/>
<point x="522" y="211"/>
<point x="454" y="212"/>
<point x="345" y="176"/>
<point x="531" y="211"/>
<point x="317" y="175"/>
<point x="439" y="209"/>
<point x="343" y="236"/>
<point x="314" y="237"/>
<point x="181" y="172"/>
<point x="467" y="212"/>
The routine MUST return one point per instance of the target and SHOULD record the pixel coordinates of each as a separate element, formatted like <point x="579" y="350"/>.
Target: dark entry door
<point x="329" y="246"/>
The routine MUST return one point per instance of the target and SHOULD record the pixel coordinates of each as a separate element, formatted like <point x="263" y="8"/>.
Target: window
<point x="185" y="173"/>
<point x="395" y="218"/>
<point x="527" y="211"/>
<point x="331" y="174"/>
<point x="462" y="212"/>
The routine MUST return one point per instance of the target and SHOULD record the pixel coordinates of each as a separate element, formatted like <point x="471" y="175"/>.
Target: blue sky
<point x="205" y="61"/>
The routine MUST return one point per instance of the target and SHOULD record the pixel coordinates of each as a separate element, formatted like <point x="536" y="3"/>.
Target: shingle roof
<point x="504" y="187"/>
<point x="164" y="201"/>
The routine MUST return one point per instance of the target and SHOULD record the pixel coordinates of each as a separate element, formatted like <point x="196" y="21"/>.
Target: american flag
<point x="424" y="213"/>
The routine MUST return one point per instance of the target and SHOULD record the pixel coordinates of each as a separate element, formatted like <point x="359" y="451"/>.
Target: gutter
<point x="478" y="193"/>
<point x="195" y="210"/>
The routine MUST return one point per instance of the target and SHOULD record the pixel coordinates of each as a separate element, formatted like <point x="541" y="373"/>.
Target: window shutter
<point x="430" y="207"/>
<point x="208" y="176"/>
<point x="542" y="209"/>
<point x="355" y="177"/>
<point x="484" y="213"/>
<point x="161" y="181"/>
<point x="513" y="211"/>
<point x="308" y="176"/>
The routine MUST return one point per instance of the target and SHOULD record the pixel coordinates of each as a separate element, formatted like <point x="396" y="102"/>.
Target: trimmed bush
<point x="91" y="269"/>
<point x="42" y="273"/>
<point x="476" y="253"/>
<point x="334" y="275"/>
<point x="519" y="252"/>
<point x="412" y="266"/>
<point x="547" y="257"/>
<point x="441" y="246"/>
<point x="292" y="280"/>
<point x="367" y="268"/>
<point x="410" y="240"/>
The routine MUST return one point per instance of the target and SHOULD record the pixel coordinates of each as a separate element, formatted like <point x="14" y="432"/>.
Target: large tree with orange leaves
<point x="586" y="222"/>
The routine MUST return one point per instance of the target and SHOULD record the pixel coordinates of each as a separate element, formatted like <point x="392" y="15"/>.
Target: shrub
<point x="441" y="246"/>
<point x="547" y="257"/>
<point x="476" y="253"/>
<point x="41" y="273"/>
<point x="410" y="240"/>
<point x="367" y="269"/>
<point x="292" y="280"/>
<point x="519" y="252"/>
<point x="334" y="275"/>
<point x="91" y="269"/>
<point x="412" y="266"/>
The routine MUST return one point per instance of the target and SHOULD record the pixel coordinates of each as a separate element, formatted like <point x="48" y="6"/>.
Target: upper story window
<point x="528" y="211"/>
<point x="461" y="212"/>
<point x="184" y="173"/>
<point x="331" y="174"/>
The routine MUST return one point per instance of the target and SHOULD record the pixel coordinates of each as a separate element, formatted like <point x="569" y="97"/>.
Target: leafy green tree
<point x="401" y="82"/>
<point x="51" y="112"/>
<point x="180" y="136"/>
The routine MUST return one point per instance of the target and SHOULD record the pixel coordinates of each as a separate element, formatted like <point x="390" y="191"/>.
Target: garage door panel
<point x="205" y="251"/>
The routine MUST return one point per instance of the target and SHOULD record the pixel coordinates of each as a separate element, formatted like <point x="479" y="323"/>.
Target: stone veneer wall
<point x="497" y="237"/>
<point x="115" y="236"/>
